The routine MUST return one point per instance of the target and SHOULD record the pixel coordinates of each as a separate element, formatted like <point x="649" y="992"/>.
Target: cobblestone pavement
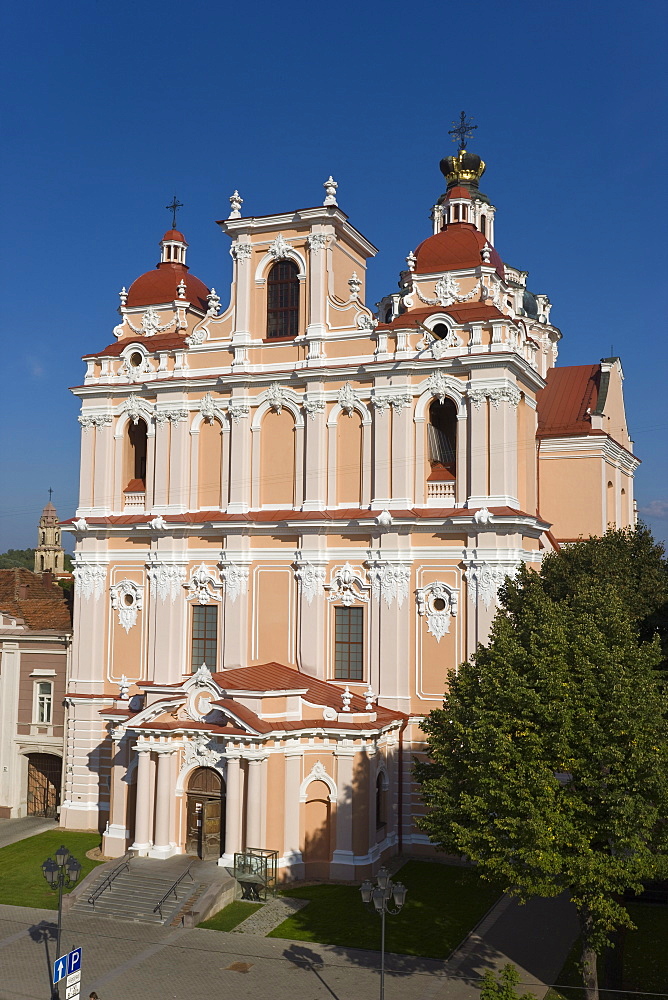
<point x="271" y="915"/>
<point x="129" y="961"/>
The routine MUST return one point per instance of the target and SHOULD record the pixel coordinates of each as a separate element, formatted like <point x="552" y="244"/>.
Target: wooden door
<point x="194" y="825"/>
<point x="211" y="829"/>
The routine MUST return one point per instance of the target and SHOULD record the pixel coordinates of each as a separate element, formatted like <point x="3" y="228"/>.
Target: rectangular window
<point x="205" y="637"/>
<point x="349" y="644"/>
<point x="43" y="702"/>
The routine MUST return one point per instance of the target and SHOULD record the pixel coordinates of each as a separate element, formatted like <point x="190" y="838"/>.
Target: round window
<point x="128" y="600"/>
<point x="439" y="604"/>
<point x="136" y="359"/>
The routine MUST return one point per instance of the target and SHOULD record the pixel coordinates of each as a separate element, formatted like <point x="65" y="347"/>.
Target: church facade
<point x="295" y="515"/>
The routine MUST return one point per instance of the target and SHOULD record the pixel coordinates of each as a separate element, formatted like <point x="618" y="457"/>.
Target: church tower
<point x="49" y="554"/>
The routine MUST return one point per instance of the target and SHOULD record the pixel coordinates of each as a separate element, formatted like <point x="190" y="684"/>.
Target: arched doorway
<point x="44" y="778"/>
<point x="205" y="814"/>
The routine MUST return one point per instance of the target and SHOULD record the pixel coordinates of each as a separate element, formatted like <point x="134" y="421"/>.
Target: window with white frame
<point x="43" y="704"/>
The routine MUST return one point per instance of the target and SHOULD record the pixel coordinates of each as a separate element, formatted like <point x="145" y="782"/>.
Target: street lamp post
<point x="387" y="897"/>
<point x="59" y="874"/>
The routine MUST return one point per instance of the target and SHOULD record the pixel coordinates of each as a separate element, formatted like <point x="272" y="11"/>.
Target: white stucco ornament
<point x="317" y="242"/>
<point x="209" y="408"/>
<point x="238" y="410"/>
<point x="389" y="581"/>
<point x="166" y="578"/>
<point x="384" y="520"/>
<point x="127" y="599"/>
<point x="203" y="588"/>
<point x="276" y="396"/>
<point x="483" y="516"/>
<point x="310" y="579"/>
<point x="313" y="406"/>
<point x="124" y="688"/>
<point x="485" y="579"/>
<point x="158" y="523"/>
<point x="150" y="324"/>
<point x="241" y="252"/>
<point x="369" y="699"/>
<point x="135" y="408"/>
<point x="330" y="187"/>
<point x="213" y="303"/>
<point x="437" y="602"/>
<point x="280" y="248"/>
<point x="198" y="752"/>
<point x="202" y="676"/>
<point x="346" y="698"/>
<point x="347" y="586"/>
<point x="89" y="578"/>
<point x="81" y="524"/>
<point x="437" y="383"/>
<point x="347" y="398"/>
<point x="235" y="579"/>
<point x="354" y="284"/>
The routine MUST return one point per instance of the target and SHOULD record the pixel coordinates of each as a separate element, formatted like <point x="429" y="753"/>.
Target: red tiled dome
<point x="174" y="234"/>
<point x="455" y="248"/>
<point x="158" y="286"/>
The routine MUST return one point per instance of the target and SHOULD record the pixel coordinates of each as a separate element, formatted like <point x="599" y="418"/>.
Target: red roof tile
<point x="457" y="247"/>
<point x="41" y="605"/>
<point x="158" y="286"/>
<point x="467" y="312"/>
<point x="565" y="400"/>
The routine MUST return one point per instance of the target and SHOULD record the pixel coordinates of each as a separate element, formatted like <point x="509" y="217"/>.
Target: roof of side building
<point x="41" y="605"/>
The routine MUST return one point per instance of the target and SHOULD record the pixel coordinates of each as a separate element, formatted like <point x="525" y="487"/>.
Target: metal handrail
<point x="172" y="889"/>
<point x="109" y="879"/>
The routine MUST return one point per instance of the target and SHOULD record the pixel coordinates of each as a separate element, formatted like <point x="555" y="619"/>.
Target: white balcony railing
<point x="441" y="490"/>
<point x="135" y="501"/>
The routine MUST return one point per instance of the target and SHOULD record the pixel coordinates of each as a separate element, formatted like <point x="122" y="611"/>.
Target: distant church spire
<point x="49" y="554"/>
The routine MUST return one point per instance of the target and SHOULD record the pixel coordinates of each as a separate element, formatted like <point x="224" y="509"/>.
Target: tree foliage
<point x="503" y="987"/>
<point x="21" y="558"/>
<point x="548" y="763"/>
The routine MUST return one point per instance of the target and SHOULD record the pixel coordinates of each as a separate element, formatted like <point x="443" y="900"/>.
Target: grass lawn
<point x="231" y="915"/>
<point x="442" y="905"/>
<point x="645" y="958"/>
<point x="21" y="879"/>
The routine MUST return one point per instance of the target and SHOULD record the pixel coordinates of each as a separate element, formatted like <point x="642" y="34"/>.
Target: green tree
<point x="21" y="558"/>
<point x="503" y="988"/>
<point x="548" y="763"/>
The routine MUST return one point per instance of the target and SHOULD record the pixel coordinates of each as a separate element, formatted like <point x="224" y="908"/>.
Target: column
<point x="232" y="809"/>
<point x="116" y="836"/>
<point x="402" y="453"/>
<point x="254" y="802"/>
<point x="343" y="865"/>
<point x="462" y="460"/>
<point x="163" y="846"/>
<point x="240" y="462"/>
<point x="503" y="453"/>
<point x="315" y="464"/>
<point x="292" y="832"/>
<point x="143" y="811"/>
<point x="477" y="453"/>
<point x="381" y="487"/>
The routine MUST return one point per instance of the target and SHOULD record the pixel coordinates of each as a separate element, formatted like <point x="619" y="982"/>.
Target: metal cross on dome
<point x="462" y="130"/>
<point x="50" y="494"/>
<point x="174" y="207"/>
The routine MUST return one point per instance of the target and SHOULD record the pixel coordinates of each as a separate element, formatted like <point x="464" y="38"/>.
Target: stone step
<point x="133" y="895"/>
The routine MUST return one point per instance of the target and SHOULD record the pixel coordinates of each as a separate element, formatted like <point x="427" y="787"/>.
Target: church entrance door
<point x="205" y="814"/>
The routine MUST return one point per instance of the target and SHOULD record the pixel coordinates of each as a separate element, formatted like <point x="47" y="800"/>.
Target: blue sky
<point x="110" y="109"/>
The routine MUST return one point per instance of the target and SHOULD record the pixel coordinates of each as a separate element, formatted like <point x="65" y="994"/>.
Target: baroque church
<point x="295" y="515"/>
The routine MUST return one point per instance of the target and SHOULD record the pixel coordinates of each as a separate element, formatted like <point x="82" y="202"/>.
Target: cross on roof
<point x="462" y="130"/>
<point x="173" y="208"/>
<point x="50" y="494"/>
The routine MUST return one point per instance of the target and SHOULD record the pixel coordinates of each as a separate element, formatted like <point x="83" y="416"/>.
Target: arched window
<point x="136" y="453"/>
<point x="483" y="225"/>
<point x="442" y="436"/>
<point x="283" y="300"/>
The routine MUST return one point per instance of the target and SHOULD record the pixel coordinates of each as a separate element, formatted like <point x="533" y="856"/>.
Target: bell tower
<point x="49" y="554"/>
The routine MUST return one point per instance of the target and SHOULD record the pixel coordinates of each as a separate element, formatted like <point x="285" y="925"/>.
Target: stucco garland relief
<point x="89" y="578"/>
<point x="235" y="579"/>
<point x="172" y="414"/>
<point x="241" y="252"/>
<point x="202" y="586"/>
<point x="238" y="410"/>
<point x="437" y="602"/>
<point x="310" y="579"/>
<point x="317" y="242"/>
<point x="127" y="598"/>
<point x="395" y="400"/>
<point x="94" y="419"/>
<point x="495" y="394"/>
<point x="485" y="579"/>
<point x="166" y="578"/>
<point x="150" y="324"/>
<point x="389" y="581"/>
<point x="313" y="406"/>
<point x="347" y="586"/>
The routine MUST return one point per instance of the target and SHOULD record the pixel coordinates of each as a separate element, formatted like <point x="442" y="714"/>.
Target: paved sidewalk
<point x="13" y="830"/>
<point x="129" y="961"/>
<point x="270" y="916"/>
